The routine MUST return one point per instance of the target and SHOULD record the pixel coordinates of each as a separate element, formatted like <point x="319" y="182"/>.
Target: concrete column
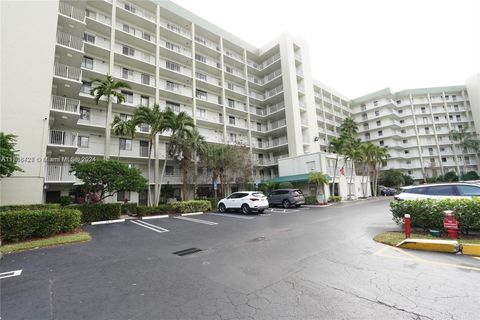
<point x="435" y="134"/>
<point x="224" y="111"/>
<point x="414" y="117"/>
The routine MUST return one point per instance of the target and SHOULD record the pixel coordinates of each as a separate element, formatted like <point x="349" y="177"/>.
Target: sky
<point x="357" y="47"/>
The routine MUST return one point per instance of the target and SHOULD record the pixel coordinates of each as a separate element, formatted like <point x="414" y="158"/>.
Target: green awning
<point x="292" y="178"/>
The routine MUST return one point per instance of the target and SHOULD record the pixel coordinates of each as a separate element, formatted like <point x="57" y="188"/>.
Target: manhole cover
<point x="185" y="252"/>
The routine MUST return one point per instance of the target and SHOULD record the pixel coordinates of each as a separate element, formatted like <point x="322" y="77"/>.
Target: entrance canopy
<point x="292" y="178"/>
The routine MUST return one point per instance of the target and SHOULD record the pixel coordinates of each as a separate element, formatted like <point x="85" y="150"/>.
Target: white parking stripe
<point x="160" y="230"/>
<point x="153" y="226"/>
<point x="231" y="216"/>
<point x="210" y="223"/>
<point x="9" y="274"/>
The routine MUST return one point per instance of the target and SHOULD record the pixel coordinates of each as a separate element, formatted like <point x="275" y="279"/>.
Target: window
<point x="233" y="137"/>
<point x="175" y="107"/>
<point x="143" y="148"/>
<point x="410" y="172"/>
<point x="146" y="79"/>
<point x="403" y="131"/>
<point x="174" y="47"/>
<point x="430" y="151"/>
<point x="231" y="120"/>
<point x="406" y="151"/>
<point x="379" y="123"/>
<point x="469" y="191"/>
<point x="201" y="113"/>
<point x="200" y="58"/>
<point x="399" y="101"/>
<point x="402" y="121"/>
<point x="436" y="118"/>
<point x="460" y="127"/>
<point x="377" y="113"/>
<point x="381" y="143"/>
<point x="363" y="107"/>
<point x="231" y="103"/>
<point x="201" y="76"/>
<point x="432" y="160"/>
<point x="442" y="149"/>
<point x="448" y="190"/>
<point x="128" y="29"/>
<point x="89" y="37"/>
<point x="127" y="73"/>
<point x="146" y="36"/>
<point x="423" y="110"/>
<point x="87" y="63"/>
<point x="425" y="120"/>
<point x="129" y="7"/>
<point x="380" y="133"/>
<point x="125" y="117"/>
<point x="405" y="141"/>
<point x="128" y="51"/>
<point x="85" y="113"/>
<point x="418" y="190"/>
<point x="450" y="117"/>
<point x="375" y="103"/>
<point x="458" y="117"/>
<point x="444" y="159"/>
<point x="172" y="86"/>
<point x="128" y="96"/>
<point x="125" y="144"/>
<point x="400" y="111"/>
<point x="169" y="171"/>
<point x="83" y="141"/>
<point x="454" y="97"/>
<point x="229" y="69"/>
<point x="172" y="66"/>
<point x="91" y="14"/>
<point x="427" y="130"/>
<point x="364" y="116"/>
<point x="144" y="101"/>
<point x="200" y="94"/>
<point x="367" y="136"/>
<point x="467" y="159"/>
<point x="123" y="196"/>
<point x="230" y="86"/>
<point x="409" y="161"/>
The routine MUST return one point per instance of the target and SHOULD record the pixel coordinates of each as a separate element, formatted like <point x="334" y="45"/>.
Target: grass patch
<point x="393" y="238"/>
<point x="46" y="242"/>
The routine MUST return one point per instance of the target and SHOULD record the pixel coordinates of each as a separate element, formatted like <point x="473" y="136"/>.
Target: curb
<point x="191" y="214"/>
<point x="154" y="217"/>
<point x="449" y="246"/>
<point x="107" y="221"/>
<point x="471" y="249"/>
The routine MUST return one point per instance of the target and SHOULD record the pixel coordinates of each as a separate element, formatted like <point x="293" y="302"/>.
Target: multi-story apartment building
<point x="264" y="98"/>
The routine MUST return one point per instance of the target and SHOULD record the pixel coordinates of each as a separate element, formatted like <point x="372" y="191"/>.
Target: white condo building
<point x="264" y="98"/>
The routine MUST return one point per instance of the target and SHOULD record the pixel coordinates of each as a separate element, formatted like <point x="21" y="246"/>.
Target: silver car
<point x="286" y="198"/>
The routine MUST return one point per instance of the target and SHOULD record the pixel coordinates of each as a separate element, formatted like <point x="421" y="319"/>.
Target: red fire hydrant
<point x="450" y="223"/>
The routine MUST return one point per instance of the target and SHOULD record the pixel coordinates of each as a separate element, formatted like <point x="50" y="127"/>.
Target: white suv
<point x="246" y="201"/>
<point x="455" y="190"/>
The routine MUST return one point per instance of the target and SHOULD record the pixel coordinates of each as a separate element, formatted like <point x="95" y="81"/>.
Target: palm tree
<point x="155" y="119"/>
<point x="319" y="179"/>
<point x="108" y="88"/>
<point x="465" y="141"/>
<point x="123" y="128"/>
<point x="367" y="150"/>
<point x="379" y="159"/>
<point x="335" y="146"/>
<point x="349" y="128"/>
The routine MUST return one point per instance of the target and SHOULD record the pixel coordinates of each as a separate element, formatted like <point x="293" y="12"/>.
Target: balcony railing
<point x="172" y="46"/>
<point x="68" y="72"/>
<point x="207" y="43"/>
<point x="68" y="40"/>
<point x="135" y="10"/>
<point x="64" y="138"/>
<point x="279" y="141"/>
<point x="65" y="104"/>
<point x="273" y="92"/>
<point x="59" y="173"/>
<point x="71" y="11"/>
<point x="277" y="124"/>
<point x="175" y="28"/>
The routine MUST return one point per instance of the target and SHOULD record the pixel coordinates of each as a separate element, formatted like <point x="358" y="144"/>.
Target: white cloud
<point x="358" y="47"/>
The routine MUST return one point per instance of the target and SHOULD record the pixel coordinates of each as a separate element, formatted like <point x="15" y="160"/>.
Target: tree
<point x="108" y="88"/>
<point x="335" y="146"/>
<point x="392" y="178"/>
<point x="379" y="159"/>
<point x="319" y="179"/>
<point x="348" y="128"/>
<point x="157" y="122"/>
<point x="8" y="155"/>
<point x="123" y="128"/>
<point x="450" y="176"/>
<point x="367" y="150"/>
<point x="285" y="185"/>
<point x="352" y="153"/>
<point x="408" y="181"/>
<point x="267" y="186"/>
<point x="471" y="175"/>
<point x="107" y="177"/>
<point x="465" y="141"/>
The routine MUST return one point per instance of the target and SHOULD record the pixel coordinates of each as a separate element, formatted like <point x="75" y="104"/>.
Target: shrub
<point x="285" y="185"/>
<point x="450" y="177"/>
<point x="160" y="209"/>
<point x="428" y="213"/>
<point x="65" y="200"/>
<point x="310" y="200"/>
<point x="42" y="206"/>
<point x="129" y="208"/>
<point x="471" y="175"/>
<point x="212" y="201"/>
<point x="99" y="211"/>
<point x="334" y="199"/>
<point x="23" y="224"/>
<point x="192" y="206"/>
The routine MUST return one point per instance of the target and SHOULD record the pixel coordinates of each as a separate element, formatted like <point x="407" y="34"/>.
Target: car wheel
<point x="286" y="204"/>
<point x="245" y="209"/>
<point x="261" y="211"/>
<point x="297" y="205"/>
<point x="221" y="208"/>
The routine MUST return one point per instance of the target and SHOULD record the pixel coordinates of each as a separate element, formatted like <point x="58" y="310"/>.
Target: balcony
<point x="59" y="173"/>
<point x="136" y="54"/>
<point x="273" y="92"/>
<point x="65" y="104"/>
<point x="63" y="138"/>
<point x="67" y="72"/>
<point x="236" y="105"/>
<point x="175" y="28"/>
<point x="175" y="47"/>
<point x="175" y="88"/>
<point x="207" y="43"/>
<point x="136" y="10"/>
<point x="277" y="124"/>
<point x="71" y="11"/>
<point x="70" y="41"/>
<point x="279" y="142"/>
<point x="134" y="76"/>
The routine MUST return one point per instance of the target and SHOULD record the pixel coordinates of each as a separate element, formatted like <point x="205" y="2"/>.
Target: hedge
<point x="20" y="207"/>
<point x="335" y="198"/>
<point x="212" y="201"/>
<point x="428" y="213"/>
<point x="129" y="208"/>
<point x="176" y="208"/>
<point x="99" y="211"/>
<point x="23" y="224"/>
<point x="310" y="200"/>
<point x="160" y="209"/>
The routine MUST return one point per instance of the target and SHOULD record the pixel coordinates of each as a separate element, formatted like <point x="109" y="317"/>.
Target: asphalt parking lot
<point x="300" y="263"/>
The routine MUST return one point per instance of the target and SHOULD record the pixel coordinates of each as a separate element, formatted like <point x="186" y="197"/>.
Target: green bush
<point x="99" y="211"/>
<point x="285" y="185"/>
<point x="160" y="209"/>
<point x="335" y="199"/>
<point x="192" y="206"/>
<point x="471" y="175"/>
<point x="428" y="213"/>
<point x="65" y="200"/>
<point x="23" y="224"/>
<point x="310" y="200"/>
<point x="41" y="206"/>
<point x="212" y="201"/>
<point x="129" y="208"/>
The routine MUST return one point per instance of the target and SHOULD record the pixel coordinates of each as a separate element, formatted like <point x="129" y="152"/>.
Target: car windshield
<point x="258" y="194"/>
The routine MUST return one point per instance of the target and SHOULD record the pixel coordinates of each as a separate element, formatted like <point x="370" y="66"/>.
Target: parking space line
<point x="149" y="226"/>
<point x="210" y="223"/>
<point x="10" y="274"/>
<point x="231" y="216"/>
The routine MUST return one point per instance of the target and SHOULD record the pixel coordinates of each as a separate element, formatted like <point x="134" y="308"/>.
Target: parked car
<point x="286" y="198"/>
<point x="456" y="190"/>
<point x="245" y="201"/>
<point x="387" y="191"/>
